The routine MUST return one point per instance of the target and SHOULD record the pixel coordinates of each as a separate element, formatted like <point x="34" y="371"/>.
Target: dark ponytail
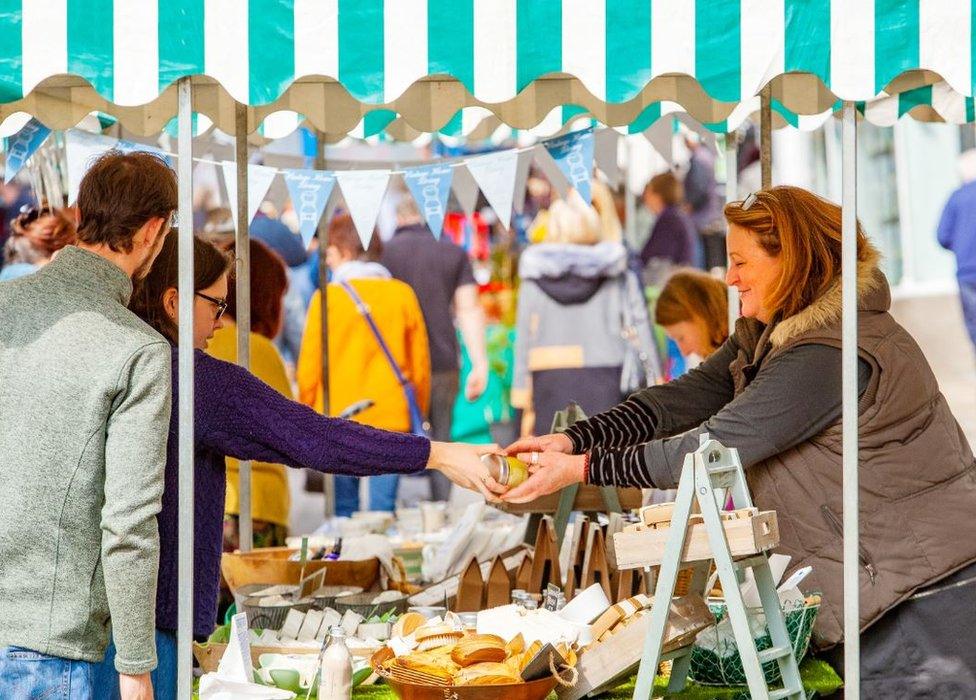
<point x="209" y="264"/>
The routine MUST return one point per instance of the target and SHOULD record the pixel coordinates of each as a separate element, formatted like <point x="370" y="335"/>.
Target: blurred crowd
<point x="490" y="330"/>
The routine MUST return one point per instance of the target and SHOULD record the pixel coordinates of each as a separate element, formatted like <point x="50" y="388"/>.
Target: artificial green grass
<point x="817" y="676"/>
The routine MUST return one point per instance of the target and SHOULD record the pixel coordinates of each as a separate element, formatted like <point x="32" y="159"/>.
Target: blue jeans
<point x="163" y="678"/>
<point x="26" y="675"/>
<point x="967" y="297"/>
<point x="382" y="493"/>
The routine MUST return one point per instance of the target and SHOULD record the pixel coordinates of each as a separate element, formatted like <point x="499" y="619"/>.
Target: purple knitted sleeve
<point x="239" y="415"/>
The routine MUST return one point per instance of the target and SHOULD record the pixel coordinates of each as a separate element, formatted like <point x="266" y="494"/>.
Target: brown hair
<point x="804" y="232"/>
<point x="38" y="234"/>
<point x="343" y="235"/>
<point x="269" y="282"/>
<point x="119" y="194"/>
<point x="209" y="263"/>
<point x="667" y="187"/>
<point x="696" y="296"/>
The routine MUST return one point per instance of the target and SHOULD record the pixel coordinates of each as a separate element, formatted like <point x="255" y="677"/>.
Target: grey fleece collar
<point x="607" y="259"/>
<point x="91" y="271"/>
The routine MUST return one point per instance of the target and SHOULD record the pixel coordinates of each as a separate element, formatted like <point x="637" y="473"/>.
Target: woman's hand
<point x="461" y="463"/>
<point x="554" y="442"/>
<point x="551" y="472"/>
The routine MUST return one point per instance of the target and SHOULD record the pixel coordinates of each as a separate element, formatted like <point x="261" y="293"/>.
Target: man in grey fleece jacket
<point x="85" y="407"/>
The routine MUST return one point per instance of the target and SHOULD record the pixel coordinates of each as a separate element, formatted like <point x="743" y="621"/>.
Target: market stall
<point x="237" y="63"/>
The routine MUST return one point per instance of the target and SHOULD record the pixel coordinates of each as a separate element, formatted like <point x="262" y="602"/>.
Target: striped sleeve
<point x="620" y="467"/>
<point x="629" y="423"/>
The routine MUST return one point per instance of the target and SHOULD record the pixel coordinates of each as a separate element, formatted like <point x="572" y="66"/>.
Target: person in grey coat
<point x="582" y="327"/>
<point x="85" y="406"/>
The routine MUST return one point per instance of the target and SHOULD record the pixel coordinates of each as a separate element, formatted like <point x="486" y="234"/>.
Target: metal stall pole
<point x="185" y="364"/>
<point x="328" y="481"/>
<point x="630" y="201"/>
<point x="731" y="195"/>
<point x="766" y="136"/>
<point x="852" y="647"/>
<point x="243" y="290"/>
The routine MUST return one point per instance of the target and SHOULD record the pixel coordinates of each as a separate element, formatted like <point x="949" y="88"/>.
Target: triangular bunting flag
<point x="550" y="169"/>
<point x="661" y="138"/>
<point x="259" y="179"/>
<point x="465" y="189"/>
<point x="310" y="191"/>
<point x="22" y="146"/>
<point x="521" y="179"/>
<point x="605" y="154"/>
<point x="495" y="175"/>
<point x="81" y="150"/>
<point x="363" y="191"/>
<point x="706" y="135"/>
<point x="430" y="186"/>
<point x="573" y="154"/>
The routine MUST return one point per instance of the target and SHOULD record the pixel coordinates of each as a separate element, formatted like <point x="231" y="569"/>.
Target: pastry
<point x="479" y="648"/>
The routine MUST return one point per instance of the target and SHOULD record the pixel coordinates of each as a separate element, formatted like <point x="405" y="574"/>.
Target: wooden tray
<point x="746" y="536"/>
<point x="270" y="565"/>
<point x="588" y="499"/>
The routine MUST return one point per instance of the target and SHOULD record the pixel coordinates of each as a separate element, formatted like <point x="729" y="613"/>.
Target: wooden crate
<point x="750" y="535"/>
<point x="588" y="500"/>
<point x="606" y="664"/>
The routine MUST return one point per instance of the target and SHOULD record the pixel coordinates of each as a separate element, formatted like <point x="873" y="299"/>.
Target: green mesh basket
<point x="723" y="665"/>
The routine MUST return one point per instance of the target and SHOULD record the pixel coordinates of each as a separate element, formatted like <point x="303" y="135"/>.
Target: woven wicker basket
<point x="332" y="593"/>
<point x="363" y="604"/>
<point x="270" y="617"/>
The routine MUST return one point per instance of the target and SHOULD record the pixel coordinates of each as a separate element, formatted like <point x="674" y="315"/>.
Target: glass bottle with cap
<point x="335" y="667"/>
<point x="507" y="471"/>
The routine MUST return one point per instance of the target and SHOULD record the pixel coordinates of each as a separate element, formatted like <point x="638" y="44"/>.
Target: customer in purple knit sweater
<point x="240" y="416"/>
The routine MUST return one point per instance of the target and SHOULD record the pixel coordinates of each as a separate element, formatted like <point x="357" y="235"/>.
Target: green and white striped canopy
<point x="339" y="61"/>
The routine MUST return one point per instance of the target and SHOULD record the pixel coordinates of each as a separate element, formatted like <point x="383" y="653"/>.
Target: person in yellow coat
<point x="358" y="367"/>
<point x="270" y="500"/>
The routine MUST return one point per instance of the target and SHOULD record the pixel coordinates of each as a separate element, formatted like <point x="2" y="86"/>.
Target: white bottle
<point x="335" y="667"/>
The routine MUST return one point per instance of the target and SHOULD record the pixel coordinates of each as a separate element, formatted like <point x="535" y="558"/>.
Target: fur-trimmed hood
<point x="873" y="294"/>
<point x="572" y="273"/>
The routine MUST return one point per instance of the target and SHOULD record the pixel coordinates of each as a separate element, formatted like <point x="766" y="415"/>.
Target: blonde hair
<point x="610" y="228"/>
<point x="696" y="296"/>
<point x="572" y="221"/>
<point x="804" y="232"/>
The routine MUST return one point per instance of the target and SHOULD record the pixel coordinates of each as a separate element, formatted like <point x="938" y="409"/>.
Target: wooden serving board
<point x="750" y="535"/>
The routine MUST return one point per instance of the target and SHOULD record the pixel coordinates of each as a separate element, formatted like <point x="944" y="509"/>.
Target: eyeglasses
<point x="30" y="213"/>
<point x="220" y="304"/>
<point x="749" y="201"/>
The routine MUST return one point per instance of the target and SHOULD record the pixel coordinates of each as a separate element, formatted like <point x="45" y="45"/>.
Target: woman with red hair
<point x="35" y="236"/>
<point x="773" y="392"/>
